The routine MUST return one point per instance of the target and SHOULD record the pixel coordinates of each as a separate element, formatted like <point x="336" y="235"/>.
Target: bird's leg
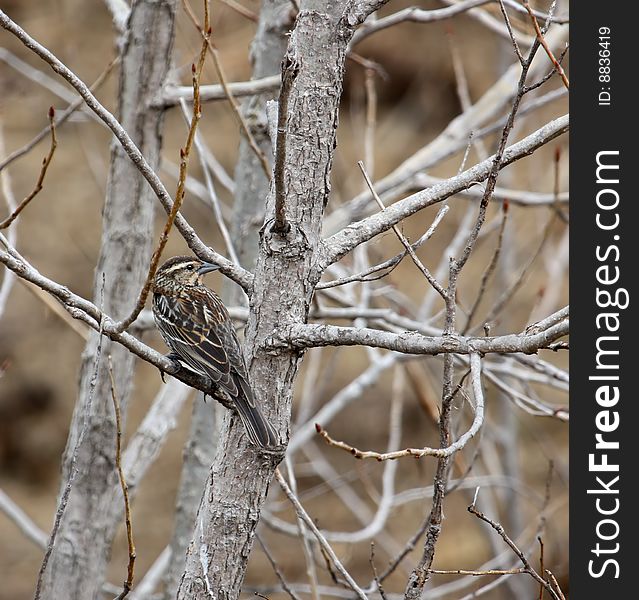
<point x="173" y="357"/>
<point x="209" y="395"/>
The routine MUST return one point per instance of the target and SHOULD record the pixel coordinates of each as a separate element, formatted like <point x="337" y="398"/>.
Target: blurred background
<point x="417" y="96"/>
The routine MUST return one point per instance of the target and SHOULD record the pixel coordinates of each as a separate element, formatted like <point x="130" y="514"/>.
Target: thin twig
<point x="402" y="238"/>
<point x="276" y="569"/>
<point x="378" y="582"/>
<point x="479" y="573"/>
<point x="502" y="533"/>
<point x="227" y="90"/>
<point x="463" y="93"/>
<point x="442" y="452"/>
<point x="486" y="275"/>
<point x="541" y="565"/>
<point x="389" y="264"/>
<point x="73" y="470"/>
<point x="43" y="171"/>
<point x="507" y="294"/>
<point x="299" y="509"/>
<point x="542" y="41"/>
<point x="371" y="121"/>
<point x="128" y="583"/>
<point x="179" y="194"/>
<point x="289" y="73"/>
<point x="61" y="117"/>
<point x="311" y="571"/>
<point x="511" y="33"/>
<point x="556" y="584"/>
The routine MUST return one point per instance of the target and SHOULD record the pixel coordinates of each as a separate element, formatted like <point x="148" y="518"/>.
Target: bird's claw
<point x="173" y="357"/>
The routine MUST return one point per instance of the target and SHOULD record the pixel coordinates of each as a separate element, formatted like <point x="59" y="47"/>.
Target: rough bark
<point x="78" y="562"/>
<point x="283" y="286"/>
<point x="252" y="184"/>
<point x="252" y="187"/>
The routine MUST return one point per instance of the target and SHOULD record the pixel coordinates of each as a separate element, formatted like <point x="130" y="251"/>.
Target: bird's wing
<point x="199" y="330"/>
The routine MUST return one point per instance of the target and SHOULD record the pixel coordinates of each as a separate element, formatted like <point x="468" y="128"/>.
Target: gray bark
<point x="283" y="286"/>
<point x="252" y="187"/>
<point x="267" y="51"/>
<point x="78" y="562"/>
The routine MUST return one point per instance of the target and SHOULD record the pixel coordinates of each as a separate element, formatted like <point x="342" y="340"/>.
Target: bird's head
<point x="183" y="271"/>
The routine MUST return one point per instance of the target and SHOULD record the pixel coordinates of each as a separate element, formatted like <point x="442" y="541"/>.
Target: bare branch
<point x="502" y="533"/>
<point x="339" y="244"/>
<point x="239" y="275"/>
<point x="542" y="40"/>
<point x="299" y="509"/>
<point x="128" y="582"/>
<point x="421" y="452"/>
<point x="179" y="194"/>
<point x="73" y="470"/>
<point x="172" y="94"/>
<point x="416" y="15"/>
<point x="43" y="171"/>
<point x="61" y="117"/>
<point x="310" y="336"/>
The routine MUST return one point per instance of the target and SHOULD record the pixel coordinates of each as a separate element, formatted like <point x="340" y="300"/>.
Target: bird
<point x="197" y="328"/>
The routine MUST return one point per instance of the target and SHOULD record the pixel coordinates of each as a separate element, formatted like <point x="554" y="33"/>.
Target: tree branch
<point x="43" y="171"/>
<point x="235" y="272"/>
<point x="312" y="336"/>
<point x="341" y="243"/>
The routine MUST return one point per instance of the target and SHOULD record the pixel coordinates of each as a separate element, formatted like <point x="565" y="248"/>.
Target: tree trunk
<point x="283" y="287"/>
<point x="252" y="184"/>
<point x="78" y="562"/>
<point x="248" y="213"/>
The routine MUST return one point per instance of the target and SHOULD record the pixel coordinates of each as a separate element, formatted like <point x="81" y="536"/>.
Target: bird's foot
<point x="173" y="357"/>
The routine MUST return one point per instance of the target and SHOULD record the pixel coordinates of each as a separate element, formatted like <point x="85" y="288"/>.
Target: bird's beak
<point x="207" y="268"/>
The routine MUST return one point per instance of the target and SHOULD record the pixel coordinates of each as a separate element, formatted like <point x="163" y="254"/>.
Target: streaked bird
<point x="198" y="329"/>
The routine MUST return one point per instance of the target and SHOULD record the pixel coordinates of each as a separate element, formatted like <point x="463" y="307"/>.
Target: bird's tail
<point x="258" y="429"/>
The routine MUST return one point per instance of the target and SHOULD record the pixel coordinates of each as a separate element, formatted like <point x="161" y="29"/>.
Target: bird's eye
<point x="190" y="267"/>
